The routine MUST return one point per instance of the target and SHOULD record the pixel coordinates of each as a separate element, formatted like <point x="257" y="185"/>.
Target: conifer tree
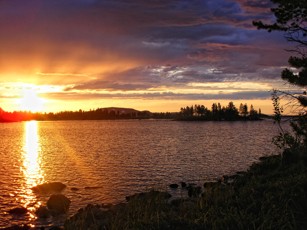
<point x="291" y="18"/>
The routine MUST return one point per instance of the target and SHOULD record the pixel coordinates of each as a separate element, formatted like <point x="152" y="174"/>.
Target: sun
<point x="30" y="101"/>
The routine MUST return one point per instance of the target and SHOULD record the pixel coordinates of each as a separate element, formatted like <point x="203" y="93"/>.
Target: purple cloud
<point x="132" y="45"/>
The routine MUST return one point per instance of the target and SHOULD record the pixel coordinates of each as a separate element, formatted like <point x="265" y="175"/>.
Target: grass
<point x="272" y="194"/>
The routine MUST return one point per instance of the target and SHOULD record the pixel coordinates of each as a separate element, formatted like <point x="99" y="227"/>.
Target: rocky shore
<point x="272" y="192"/>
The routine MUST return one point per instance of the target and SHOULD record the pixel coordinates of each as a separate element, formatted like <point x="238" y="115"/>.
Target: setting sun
<point x="31" y="102"/>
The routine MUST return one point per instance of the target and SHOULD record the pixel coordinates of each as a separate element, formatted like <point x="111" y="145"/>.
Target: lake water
<point x="119" y="158"/>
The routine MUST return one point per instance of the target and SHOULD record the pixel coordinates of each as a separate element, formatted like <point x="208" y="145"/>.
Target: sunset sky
<point x="156" y="55"/>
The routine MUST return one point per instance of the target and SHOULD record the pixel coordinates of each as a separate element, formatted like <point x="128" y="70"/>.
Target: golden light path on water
<point x="33" y="173"/>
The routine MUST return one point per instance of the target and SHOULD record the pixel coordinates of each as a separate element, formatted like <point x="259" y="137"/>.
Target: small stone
<point x="58" y="203"/>
<point x="18" y="211"/>
<point x="183" y="184"/>
<point x="173" y="186"/>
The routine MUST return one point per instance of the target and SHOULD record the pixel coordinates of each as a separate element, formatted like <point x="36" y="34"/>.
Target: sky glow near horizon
<point x="150" y="55"/>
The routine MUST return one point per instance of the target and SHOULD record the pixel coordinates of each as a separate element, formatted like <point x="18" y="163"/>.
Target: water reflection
<point x="32" y="171"/>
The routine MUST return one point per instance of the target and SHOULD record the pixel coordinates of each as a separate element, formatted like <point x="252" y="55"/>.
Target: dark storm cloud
<point x="138" y="44"/>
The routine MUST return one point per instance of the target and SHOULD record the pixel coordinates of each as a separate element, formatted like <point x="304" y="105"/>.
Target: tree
<point x="243" y="110"/>
<point x="253" y="114"/>
<point x="291" y="18"/>
<point x="231" y="112"/>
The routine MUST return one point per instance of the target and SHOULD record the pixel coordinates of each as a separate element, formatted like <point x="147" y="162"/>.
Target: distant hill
<point x="123" y="111"/>
<point x="109" y="113"/>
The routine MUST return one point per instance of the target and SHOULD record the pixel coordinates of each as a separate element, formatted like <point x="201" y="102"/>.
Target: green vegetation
<point x="272" y="194"/>
<point x="219" y="113"/>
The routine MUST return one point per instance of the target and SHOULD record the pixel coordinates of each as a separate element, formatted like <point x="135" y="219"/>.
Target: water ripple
<point x="107" y="160"/>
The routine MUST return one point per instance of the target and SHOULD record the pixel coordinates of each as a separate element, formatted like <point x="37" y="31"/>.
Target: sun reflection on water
<point x="33" y="173"/>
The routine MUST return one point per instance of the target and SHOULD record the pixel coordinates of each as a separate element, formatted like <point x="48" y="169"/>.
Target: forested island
<point x="219" y="113"/>
<point x="188" y="113"/>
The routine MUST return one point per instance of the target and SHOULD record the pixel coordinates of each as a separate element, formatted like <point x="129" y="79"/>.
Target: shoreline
<point x="258" y="195"/>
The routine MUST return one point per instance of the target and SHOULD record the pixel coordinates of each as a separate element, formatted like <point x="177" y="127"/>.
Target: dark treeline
<point x="196" y="112"/>
<point x="97" y="114"/>
<point x="219" y="113"/>
<point x="15" y="116"/>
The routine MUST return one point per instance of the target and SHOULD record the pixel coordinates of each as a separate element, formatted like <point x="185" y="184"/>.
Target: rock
<point x="74" y="189"/>
<point x="183" y="184"/>
<point x="42" y="212"/>
<point x="18" y="211"/>
<point x="49" y="187"/>
<point x="173" y="186"/>
<point x="58" y="203"/>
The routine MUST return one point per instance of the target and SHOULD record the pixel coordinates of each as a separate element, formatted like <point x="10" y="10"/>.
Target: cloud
<point x="247" y="95"/>
<point x="137" y="45"/>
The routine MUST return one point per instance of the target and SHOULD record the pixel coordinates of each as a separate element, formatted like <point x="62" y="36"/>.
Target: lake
<point x="104" y="161"/>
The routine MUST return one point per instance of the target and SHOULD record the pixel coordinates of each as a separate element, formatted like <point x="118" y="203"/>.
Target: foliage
<point x="291" y="18"/>
<point x="270" y="195"/>
<point x="219" y="113"/>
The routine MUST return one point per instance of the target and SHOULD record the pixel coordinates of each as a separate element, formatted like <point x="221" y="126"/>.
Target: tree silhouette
<point x="218" y="113"/>
<point x="231" y="112"/>
<point x="291" y="18"/>
<point x="243" y="110"/>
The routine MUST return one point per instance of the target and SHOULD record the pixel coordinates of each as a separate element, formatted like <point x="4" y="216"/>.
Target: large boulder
<point x="58" y="203"/>
<point x="49" y="187"/>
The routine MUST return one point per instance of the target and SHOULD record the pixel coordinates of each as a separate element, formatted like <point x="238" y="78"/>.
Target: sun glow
<point x="31" y="102"/>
